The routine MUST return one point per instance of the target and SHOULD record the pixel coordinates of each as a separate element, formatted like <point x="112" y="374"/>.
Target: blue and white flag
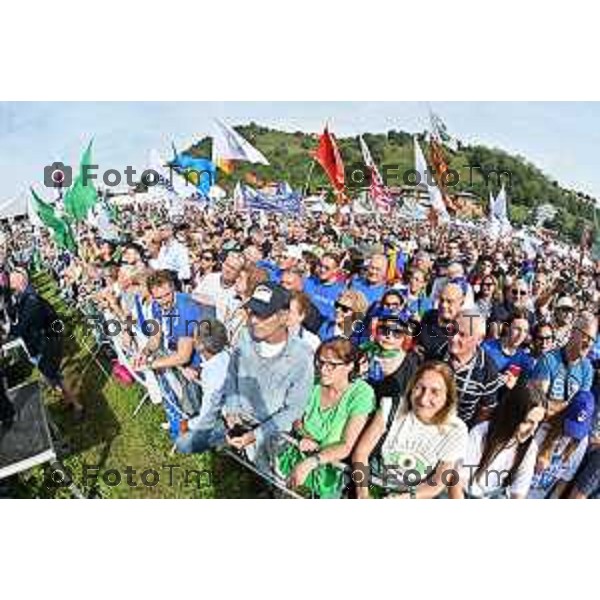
<point x="283" y="201"/>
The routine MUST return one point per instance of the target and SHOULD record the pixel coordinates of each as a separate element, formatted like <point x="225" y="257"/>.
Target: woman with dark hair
<point x="416" y="446"/>
<point x="509" y="352"/>
<point x="387" y="361"/>
<point x="501" y="453"/>
<point x="336" y="413"/>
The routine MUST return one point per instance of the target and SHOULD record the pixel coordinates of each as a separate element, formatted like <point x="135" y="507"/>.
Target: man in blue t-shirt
<point x="176" y="317"/>
<point x="563" y="372"/>
<point x="325" y="288"/>
<point x="373" y="285"/>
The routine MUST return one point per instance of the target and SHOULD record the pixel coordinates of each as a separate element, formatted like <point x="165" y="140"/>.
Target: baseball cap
<point x="267" y="299"/>
<point x="396" y="318"/>
<point x="565" y="302"/>
<point x="577" y="422"/>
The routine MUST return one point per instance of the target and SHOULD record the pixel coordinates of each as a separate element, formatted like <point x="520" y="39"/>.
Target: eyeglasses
<point x="330" y="364"/>
<point x="343" y="308"/>
<point x="206" y="257"/>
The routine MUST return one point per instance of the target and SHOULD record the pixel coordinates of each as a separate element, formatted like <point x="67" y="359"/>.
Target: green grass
<point x="112" y="438"/>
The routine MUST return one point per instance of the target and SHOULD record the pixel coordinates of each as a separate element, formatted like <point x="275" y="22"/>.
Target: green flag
<point x="80" y="197"/>
<point x="63" y="236"/>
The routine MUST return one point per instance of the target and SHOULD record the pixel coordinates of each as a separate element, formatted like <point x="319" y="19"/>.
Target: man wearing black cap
<point x="268" y="382"/>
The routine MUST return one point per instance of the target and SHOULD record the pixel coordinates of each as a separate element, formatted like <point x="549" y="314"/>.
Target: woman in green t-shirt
<point x="336" y="413"/>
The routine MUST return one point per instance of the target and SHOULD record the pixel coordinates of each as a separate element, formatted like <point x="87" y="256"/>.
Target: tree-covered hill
<point x="480" y="169"/>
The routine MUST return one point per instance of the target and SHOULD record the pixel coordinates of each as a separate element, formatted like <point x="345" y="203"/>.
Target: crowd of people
<point x="348" y="355"/>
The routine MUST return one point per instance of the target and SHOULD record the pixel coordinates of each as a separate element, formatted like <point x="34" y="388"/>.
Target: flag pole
<point x="309" y="177"/>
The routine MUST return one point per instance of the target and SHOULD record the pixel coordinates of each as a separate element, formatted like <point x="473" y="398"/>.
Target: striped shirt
<point x="477" y="384"/>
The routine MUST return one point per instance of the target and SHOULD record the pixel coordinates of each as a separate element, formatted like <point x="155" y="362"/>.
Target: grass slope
<point x="112" y="439"/>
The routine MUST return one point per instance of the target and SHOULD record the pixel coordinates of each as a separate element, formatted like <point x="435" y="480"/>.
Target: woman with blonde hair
<point x="350" y="313"/>
<point x="414" y="447"/>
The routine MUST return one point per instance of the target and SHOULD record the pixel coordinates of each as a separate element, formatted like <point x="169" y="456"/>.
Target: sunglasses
<point x="519" y="292"/>
<point x="207" y="257"/>
<point x="389" y="332"/>
<point x="343" y="308"/>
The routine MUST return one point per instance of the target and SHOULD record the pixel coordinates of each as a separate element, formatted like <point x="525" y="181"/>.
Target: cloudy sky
<point x="560" y="138"/>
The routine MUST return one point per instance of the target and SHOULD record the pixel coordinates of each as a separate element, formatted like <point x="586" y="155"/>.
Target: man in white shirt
<point x="173" y="255"/>
<point x="218" y="289"/>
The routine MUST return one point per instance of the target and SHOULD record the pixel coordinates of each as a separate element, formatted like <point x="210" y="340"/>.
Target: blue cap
<point x="383" y="313"/>
<point x="577" y="422"/>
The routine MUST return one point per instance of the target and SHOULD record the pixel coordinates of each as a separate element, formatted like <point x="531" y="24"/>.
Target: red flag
<point x="328" y="156"/>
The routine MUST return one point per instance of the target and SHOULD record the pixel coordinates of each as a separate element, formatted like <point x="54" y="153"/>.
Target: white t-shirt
<point x="308" y="337"/>
<point x="496" y="473"/>
<point x="413" y="445"/>
<point x="223" y="299"/>
<point x="174" y="256"/>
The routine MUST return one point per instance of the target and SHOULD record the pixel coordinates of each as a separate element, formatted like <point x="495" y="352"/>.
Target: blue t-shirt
<point x="373" y="293"/>
<point x="565" y="381"/>
<point x="181" y="320"/>
<point x="521" y="358"/>
<point x="323" y="296"/>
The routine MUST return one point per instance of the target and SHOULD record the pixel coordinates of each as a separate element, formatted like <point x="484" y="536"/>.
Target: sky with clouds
<point x="559" y="137"/>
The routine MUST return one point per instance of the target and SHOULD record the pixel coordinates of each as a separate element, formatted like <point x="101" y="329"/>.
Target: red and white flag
<point x="378" y="192"/>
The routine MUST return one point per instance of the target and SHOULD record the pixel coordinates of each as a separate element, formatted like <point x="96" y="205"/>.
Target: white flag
<point x="179" y="183"/>
<point x="435" y="195"/>
<point x="230" y="145"/>
<point x="500" y="207"/>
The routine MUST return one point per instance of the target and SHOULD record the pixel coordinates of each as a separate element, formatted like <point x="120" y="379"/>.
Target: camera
<point x="57" y="175"/>
<point x="238" y="430"/>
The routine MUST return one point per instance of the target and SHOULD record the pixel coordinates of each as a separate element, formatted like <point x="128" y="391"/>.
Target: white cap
<point x="565" y="302"/>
